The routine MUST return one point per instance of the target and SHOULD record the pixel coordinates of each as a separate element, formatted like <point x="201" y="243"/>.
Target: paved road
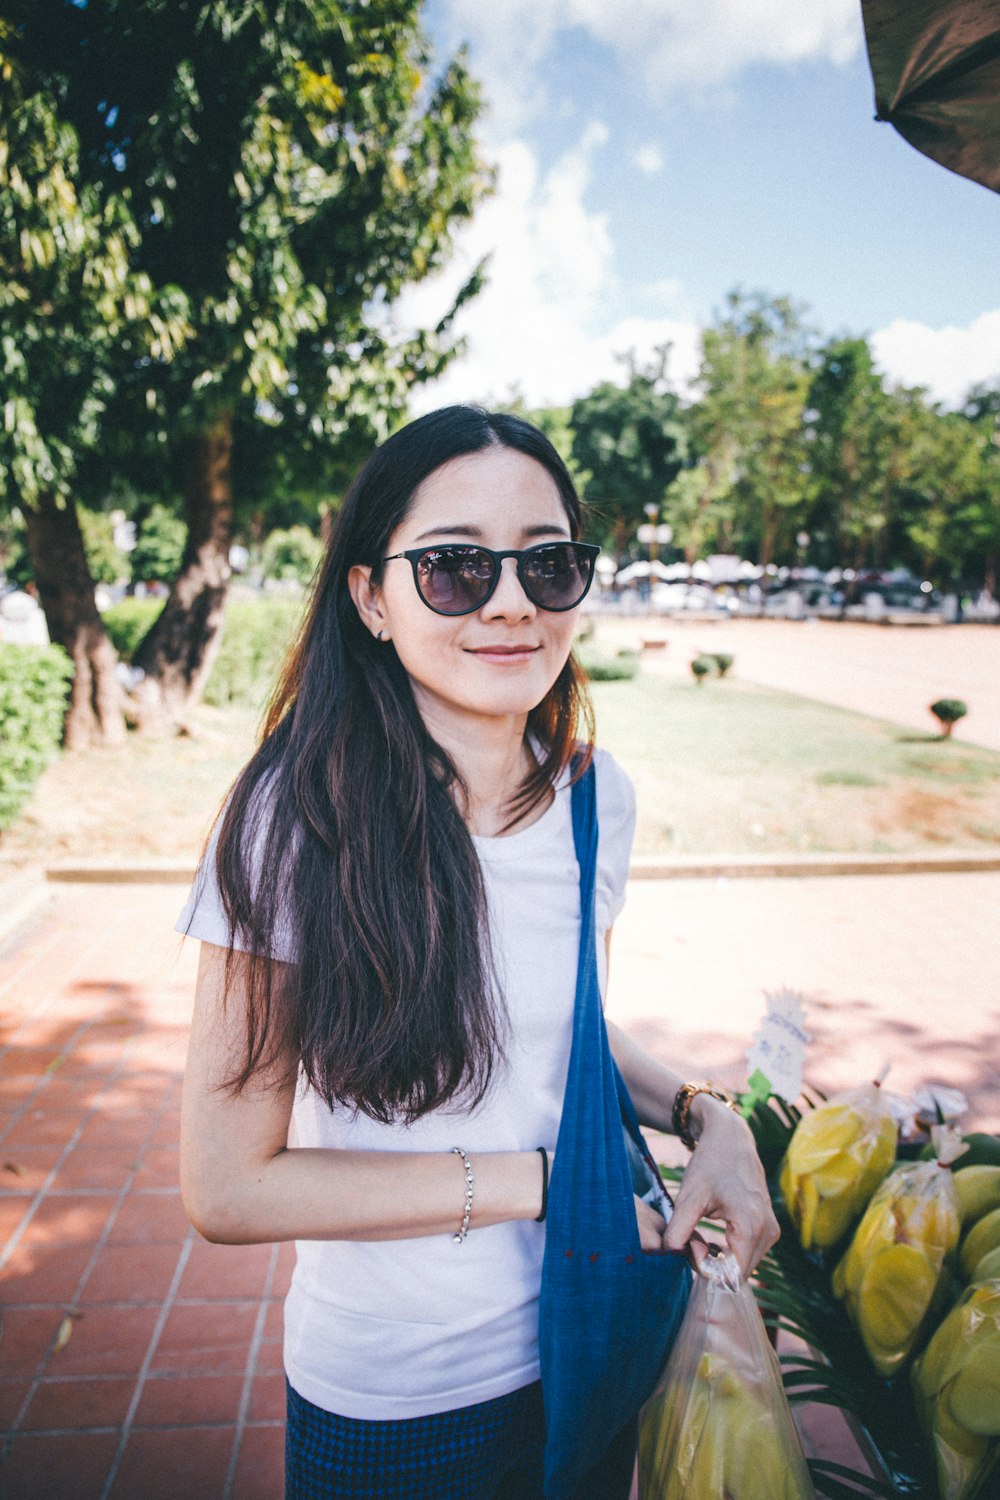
<point x="889" y="672"/>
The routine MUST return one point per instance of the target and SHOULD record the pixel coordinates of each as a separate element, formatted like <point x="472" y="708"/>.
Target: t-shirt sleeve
<point x="203" y="915"/>
<point x="616" y="831"/>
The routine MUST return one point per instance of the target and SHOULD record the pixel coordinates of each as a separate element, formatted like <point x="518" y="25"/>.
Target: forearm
<point x="301" y="1193"/>
<point x="653" y="1086"/>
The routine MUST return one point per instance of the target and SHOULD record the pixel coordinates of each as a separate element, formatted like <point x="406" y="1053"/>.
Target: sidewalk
<point x="139" y="1362"/>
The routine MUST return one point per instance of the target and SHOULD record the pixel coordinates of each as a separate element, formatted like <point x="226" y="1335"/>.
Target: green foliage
<point x="292" y="555"/>
<point x="159" y="546"/>
<point x="106" y="561"/>
<point x="15" y="564"/>
<point x="128" y="621"/>
<point x="632" y="441"/>
<point x="255" y="639"/>
<point x="598" y="667"/>
<point x="701" y="666"/>
<point x="723" y="661"/>
<point x="948" y="711"/>
<point x="34" y="685"/>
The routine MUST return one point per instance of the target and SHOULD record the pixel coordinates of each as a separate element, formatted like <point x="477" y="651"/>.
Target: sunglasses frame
<point x="414" y="554"/>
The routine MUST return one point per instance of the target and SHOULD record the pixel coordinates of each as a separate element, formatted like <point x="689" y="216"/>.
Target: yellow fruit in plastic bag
<point x="894" y="1296"/>
<point x="974" y="1394"/>
<point x="983" y="1237"/>
<point x="836" y="1158"/>
<point x="978" y="1190"/>
<point x="890" y="1272"/>
<point x="988" y="1268"/>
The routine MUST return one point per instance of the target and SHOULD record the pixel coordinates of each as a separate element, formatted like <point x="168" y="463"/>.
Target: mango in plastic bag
<point x="836" y="1158"/>
<point x="718" y="1426"/>
<point x="957" y="1385"/>
<point x="891" y="1271"/>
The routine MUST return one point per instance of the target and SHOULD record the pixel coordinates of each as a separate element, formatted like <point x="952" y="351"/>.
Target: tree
<point x="291" y="555"/>
<point x="289" y="168"/>
<point x="69" y="301"/>
<point x="748" y="422"/>
<point x="632" y="441"/>
<point x="159" y="545"/>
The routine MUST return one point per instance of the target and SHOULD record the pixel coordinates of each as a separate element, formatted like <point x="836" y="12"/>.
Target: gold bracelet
<point x="681" y="1112"/>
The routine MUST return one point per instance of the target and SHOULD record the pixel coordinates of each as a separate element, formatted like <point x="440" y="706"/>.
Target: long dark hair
<point x="342" y="836"/>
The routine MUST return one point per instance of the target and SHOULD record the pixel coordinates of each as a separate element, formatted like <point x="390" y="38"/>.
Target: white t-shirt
<point x="406" y="1328"/>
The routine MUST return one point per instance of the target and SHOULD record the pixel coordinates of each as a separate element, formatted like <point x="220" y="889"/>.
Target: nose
<point x="508" y="600"/>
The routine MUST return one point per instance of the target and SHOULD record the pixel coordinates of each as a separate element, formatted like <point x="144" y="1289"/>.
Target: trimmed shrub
<point x="598" y="668"/>
<point x="34" y="685"/>
<point x="255" y="637"/>
<point x="948" y="711"/>
<point x="700" y="668"/>
<point x="292" y="555"/>
<point x="128" y="621"/>
<point x="723" y="661"/>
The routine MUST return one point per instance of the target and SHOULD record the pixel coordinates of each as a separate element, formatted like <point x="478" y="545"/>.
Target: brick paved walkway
<point x="140" y="1363"/>
<point x="137" y="1360"/>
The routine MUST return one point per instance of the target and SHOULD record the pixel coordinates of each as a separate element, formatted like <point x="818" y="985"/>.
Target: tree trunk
<point x="178" y="652"/>
<point x="66" y="592"/>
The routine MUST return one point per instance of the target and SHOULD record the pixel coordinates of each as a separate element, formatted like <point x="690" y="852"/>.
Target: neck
<point x="491" y="757"/>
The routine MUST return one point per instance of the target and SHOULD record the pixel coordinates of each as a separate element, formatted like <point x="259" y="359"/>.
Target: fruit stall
<point x="888" y="1271"/>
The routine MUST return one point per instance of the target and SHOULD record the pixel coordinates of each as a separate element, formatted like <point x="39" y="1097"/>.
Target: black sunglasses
<point x="459" y="578"/>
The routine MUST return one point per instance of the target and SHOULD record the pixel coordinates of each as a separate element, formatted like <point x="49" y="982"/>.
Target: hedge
<point x="34" y="686"/>
<point x="255" y="637"/>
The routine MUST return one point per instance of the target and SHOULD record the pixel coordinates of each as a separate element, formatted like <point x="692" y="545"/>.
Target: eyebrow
<point x="476" y="534"/>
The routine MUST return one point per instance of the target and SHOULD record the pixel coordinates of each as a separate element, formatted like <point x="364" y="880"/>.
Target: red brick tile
<point x="70" y="1093"/>
<point x="267" y="1398"/>
<point x="260" y="1467"/>
<point x="67" y="1467"/>
<point x="71" y="1217"/>
<point x="168" y="1129"/>
<point x="206" y="1338"/>
<point x="150" y="1218"/>
<point x="21" y="1086"/>
<point x="12" y="1211"/>
<point x="96" y="1167"/>
<point x="12" y="1394"/>
<point x="27" y="1337"/>
<point x="225" y="1270"/>
<point x="116" y="1127"/>
<point x="160" y="1168"/>
<point x="80" y="1403"/>
<point x="187" y="1400"/>
<point x="106" y="1341"/>
<point x="25" y="1168"/>
<point x="36" y="1272"/>
<point x="131" y="1273"/>
<point x="23" y="1059"/>
<point x="52" y="1031"/>
<point x="42" y="1126"/>
<point x="165" y="1465"/>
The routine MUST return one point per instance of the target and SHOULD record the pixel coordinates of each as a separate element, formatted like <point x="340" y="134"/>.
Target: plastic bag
<point x="957" y="1386"/>
<point x="718" y="1426"/>
<point x="835" y="1160"/>
<point x="892" y="1269"/>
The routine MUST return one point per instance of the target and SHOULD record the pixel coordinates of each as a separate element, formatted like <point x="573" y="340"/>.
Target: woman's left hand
<point x="724" y="1180"/>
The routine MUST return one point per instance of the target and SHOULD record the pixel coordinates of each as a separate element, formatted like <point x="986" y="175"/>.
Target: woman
<point x="389" y="912"/>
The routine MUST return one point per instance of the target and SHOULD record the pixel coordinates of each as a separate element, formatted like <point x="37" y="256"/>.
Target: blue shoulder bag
<point x="608" y="1312"/>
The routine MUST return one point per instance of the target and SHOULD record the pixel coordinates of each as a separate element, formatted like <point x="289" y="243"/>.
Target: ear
<point x="367" y="598"/>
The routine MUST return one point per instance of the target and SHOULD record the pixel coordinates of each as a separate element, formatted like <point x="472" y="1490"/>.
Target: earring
<point x="379" y="636"/>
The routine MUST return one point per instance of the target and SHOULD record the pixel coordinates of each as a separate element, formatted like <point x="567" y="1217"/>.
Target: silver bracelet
<point x="469" y="1180"/>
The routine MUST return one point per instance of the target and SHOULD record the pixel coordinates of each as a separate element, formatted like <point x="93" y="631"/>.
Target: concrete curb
<point x="644" y="867"/>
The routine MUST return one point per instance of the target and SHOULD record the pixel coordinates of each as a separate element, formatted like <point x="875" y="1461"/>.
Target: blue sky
<point x="653" y="156"/>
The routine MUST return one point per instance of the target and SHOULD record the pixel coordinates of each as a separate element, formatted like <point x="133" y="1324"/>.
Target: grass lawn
<point x="725" y="768"/>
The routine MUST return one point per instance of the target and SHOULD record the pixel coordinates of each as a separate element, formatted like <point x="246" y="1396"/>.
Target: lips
<point x="507" y="652"/>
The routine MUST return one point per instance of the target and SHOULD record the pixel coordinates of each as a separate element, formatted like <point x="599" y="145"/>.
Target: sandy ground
<point x="890" y="672"/>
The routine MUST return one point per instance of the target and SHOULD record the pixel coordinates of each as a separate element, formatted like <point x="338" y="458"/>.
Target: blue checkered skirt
<point x="490" y="1451"/>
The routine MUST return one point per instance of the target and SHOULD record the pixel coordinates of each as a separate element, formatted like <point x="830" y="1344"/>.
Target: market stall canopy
<point x="638" y="570"/>
<point x="936" y="69"/>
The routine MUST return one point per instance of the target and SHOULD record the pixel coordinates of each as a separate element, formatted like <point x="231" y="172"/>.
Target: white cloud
<point x="649" y="159"/>
<point x="947" y="361"/>
<point x="667" y="44"/>
<point x="541" y="324"/>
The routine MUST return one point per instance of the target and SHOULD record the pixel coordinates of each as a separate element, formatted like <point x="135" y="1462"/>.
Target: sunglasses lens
<point x="556" y="576"/>
<point x="455" y="580"/>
